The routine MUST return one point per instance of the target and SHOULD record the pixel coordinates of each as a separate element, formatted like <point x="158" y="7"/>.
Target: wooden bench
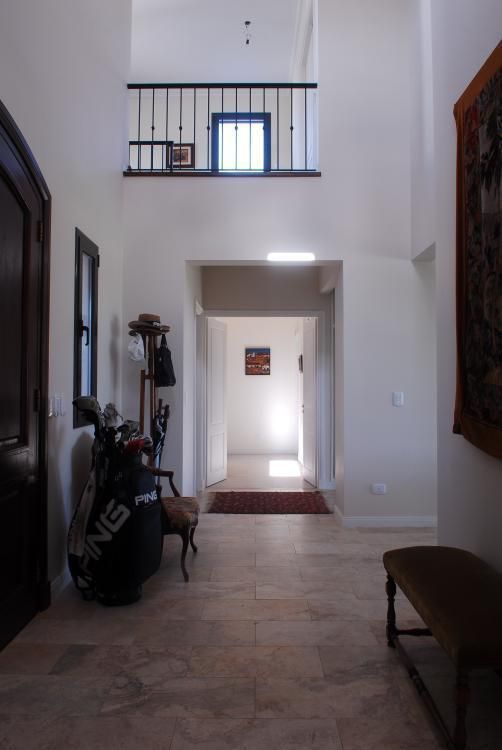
<point x="459" y="598"/>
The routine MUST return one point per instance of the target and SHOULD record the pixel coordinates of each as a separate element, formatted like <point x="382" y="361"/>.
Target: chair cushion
<point x="181" y="511"/>
<point x="458" y="596"/>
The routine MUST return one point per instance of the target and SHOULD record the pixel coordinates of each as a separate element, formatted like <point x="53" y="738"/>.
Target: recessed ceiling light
<point x="285" y="257"/>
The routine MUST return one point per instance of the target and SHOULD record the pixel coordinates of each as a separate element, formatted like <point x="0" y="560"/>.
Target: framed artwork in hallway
<point x="478" y="407"/>
<point x="257" y="360"/>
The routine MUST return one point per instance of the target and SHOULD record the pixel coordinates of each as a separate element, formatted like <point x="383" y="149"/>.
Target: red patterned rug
<point x="268" y="502"/>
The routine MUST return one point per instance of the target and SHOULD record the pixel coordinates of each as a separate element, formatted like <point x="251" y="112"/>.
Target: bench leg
<point x="462" y="696"/>
<point x="390" y="588"/>
<point x="193" y="545"/>
<point x="185" y="536"/>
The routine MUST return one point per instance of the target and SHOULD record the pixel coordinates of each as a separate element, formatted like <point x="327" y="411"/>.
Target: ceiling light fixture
<point x="247" y="33"/>
<point x="288" y="257"/>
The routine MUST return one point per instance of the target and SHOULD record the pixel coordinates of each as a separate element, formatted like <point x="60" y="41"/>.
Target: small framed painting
<point x="257" y="360"/>
<point x="184" y="155"/>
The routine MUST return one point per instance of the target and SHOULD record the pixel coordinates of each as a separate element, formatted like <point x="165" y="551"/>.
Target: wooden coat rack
<point x="148" y="389"/>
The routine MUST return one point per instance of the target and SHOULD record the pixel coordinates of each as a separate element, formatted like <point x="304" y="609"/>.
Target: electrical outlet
<point x="379" y="488"/>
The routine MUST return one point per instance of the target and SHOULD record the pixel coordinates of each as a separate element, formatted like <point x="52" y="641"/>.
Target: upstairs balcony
<point x="223" y="129"/>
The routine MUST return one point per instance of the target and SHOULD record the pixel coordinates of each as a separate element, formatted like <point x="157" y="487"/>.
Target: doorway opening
<point x="260" y="403"/>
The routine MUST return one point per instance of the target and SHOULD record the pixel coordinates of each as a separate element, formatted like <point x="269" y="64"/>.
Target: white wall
<point x="63" y="66"/>
<point x="200" y="41"/>
<point x="262" y="411"/>
<point x="193" y="292"/>
<point x="422" y="134"/>
<point x="469" y="482"/>
<point x="358" y="212"/>
<point x="263" y="288"/>
<point x="388" y="346"/>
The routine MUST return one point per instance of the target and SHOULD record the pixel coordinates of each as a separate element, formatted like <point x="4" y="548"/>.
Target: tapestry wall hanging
<point x="257" y="360"/>
<point x="478" y="114"/>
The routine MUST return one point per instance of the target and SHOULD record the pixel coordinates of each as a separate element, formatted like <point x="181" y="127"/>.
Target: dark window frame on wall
<point x="218" y="118"/>
<point x="85" y="328"/>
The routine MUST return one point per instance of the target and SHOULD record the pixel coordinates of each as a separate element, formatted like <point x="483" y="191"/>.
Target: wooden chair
<point x="180" y="516"/>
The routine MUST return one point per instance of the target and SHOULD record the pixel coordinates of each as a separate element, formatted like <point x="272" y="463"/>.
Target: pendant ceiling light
<point x="247" y="32"/>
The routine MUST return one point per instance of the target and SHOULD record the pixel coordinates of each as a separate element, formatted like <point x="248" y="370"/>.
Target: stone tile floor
<point x="277" y="642"/>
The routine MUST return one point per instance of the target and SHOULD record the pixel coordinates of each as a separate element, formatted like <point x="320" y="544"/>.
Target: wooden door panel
<point x="310" y="400"/>
<point x="23" y="340"/>
<point x="216" y="470"/>
<point x="12" y="232"/>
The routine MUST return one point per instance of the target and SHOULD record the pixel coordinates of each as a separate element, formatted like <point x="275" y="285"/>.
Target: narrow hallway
<point x="262" y="472"/>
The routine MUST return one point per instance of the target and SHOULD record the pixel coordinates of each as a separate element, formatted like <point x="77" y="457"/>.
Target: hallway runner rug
<point x="282" y="503"/>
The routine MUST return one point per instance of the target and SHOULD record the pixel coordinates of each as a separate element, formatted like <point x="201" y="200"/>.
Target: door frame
<point x="324" y="395"/>
<point x="13" y="136"/>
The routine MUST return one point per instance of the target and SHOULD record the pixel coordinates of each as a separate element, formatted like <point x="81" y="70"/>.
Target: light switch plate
<point x="379" y="488"/>
<point x="397" y="398"/>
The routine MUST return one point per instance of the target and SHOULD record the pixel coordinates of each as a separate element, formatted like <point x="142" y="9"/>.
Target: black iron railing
<point x="223" y="128"/>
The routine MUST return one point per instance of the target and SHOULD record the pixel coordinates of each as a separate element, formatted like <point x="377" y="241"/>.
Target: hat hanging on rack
<point x="149" y="324"/>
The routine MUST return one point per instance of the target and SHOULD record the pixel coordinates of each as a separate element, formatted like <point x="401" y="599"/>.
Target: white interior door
<point x="299" y="354"/>
<point x="216" y="463"/>
<point x="309" y="435"/>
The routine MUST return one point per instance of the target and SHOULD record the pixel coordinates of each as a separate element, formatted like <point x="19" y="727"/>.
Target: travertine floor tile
<point x="70" y="606"/>
<point x="91" y="630"/>
<point x="96" y="733"/>
<point x="29" y="658"/>
<point x="325" y="590"/>
<point x="337" y="572"/>
<point x="326" y="698"/>
<point x="350" y="607"/>
<point x="149" y="666"/>
<point x="334" y="548"/>
<point x="277" y="559"/>
<point x="350" y="662"/>
<point x="197" y="633"/>
<point x="154" y="604"/>
<point x="211" y="590"/>
<point x="203" y="697"/>
<point x="256" y="735"/>
<point x="243" y="574"/>
<point x="277" y="574"/>
<point x="318" y="633"/>
<point x="391" y="733"/>
<point x="256" y="610"/>
<point x="263" y="661"/>
<point x="50" y="695"/>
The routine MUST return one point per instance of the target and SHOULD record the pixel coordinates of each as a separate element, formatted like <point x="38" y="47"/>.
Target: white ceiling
<point x="187" y="41"/>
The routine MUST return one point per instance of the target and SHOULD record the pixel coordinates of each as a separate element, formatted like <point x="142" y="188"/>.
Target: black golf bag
<point x="115" y="537"/>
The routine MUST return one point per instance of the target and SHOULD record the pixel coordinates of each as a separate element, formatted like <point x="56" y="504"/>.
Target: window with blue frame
<point x="240" y="142"/>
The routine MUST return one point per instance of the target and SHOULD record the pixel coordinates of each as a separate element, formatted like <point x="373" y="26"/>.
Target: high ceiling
<point x="187" y="41"/>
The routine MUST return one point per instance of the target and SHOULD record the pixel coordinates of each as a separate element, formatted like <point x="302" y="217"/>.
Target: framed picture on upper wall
<point x="183" y="155"/>
<point x="257" y="360"/>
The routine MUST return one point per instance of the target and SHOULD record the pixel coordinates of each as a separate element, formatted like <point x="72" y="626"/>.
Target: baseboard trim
<point x="60" y="583"/>
<point x="376" y="522"/>
<point x="327" y="485"/>
<point x="338" y="513"/>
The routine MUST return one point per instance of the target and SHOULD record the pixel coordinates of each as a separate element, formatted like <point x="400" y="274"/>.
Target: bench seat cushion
<point x="458" y="596"/>
<point x="181" y="512"/>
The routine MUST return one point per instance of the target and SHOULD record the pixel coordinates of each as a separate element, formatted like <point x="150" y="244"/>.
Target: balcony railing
<point x="223" y="129"/>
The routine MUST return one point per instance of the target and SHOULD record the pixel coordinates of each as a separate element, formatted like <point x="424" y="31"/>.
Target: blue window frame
<point x="240" y="142"/>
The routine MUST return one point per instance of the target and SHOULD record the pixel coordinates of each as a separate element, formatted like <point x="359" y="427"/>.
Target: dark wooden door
<point x="23" y="342"/>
